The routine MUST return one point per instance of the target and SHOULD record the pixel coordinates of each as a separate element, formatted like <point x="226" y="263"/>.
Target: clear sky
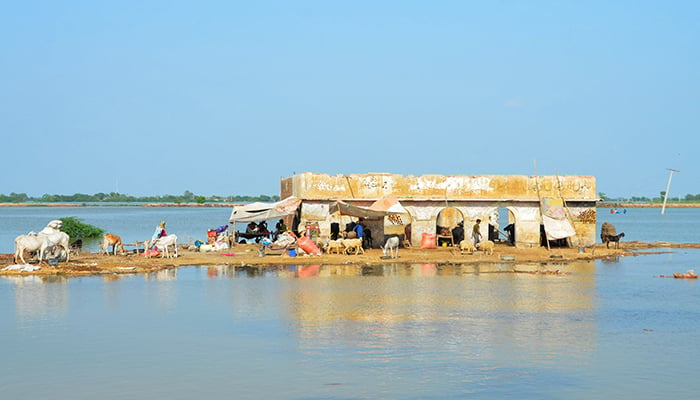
<point x="227" y="97"/>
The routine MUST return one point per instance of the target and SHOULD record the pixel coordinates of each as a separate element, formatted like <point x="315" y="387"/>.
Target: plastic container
<point x="308" y="246"/>
<point x="292" y="252"/>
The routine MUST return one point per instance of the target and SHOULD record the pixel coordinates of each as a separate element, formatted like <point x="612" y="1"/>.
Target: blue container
<point x="292" y="253"/>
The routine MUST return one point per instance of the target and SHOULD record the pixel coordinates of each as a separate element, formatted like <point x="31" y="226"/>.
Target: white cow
<point x="165" y="242"/>
<point x="31" y="242"/>
<point x="53" y="233"/>
<point x="391" y="247"/>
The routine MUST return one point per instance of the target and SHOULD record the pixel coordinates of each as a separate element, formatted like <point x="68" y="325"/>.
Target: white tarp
<point x="388" y="204"/>
<point x="556" y="224"/>
<point x="255" y="212"/>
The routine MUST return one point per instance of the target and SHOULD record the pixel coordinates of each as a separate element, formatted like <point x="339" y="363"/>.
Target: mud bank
<point x="87" y="264"/>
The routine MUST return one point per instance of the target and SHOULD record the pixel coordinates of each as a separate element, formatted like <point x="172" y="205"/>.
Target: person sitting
<point x="251" y="228"/>
<point x="158" y="233"/>
<point x="280" y="226"/>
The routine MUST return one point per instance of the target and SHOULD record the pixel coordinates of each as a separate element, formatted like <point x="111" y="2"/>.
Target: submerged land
<point x="530" y="260"/>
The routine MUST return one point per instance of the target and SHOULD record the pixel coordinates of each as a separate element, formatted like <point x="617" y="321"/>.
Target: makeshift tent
<point x="388" y="204"/>
<point x="378" y="209"/>
<point x="254" y="212"/>
<point x="355" y="211"/>
<point x="554" y="218"/>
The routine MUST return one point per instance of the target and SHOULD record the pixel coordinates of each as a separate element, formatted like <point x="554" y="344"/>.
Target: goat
<point x="76" y="247"/>
<point x="486" y="246"/>
<point x="31" y="242"/>
<point x="612" y="238"/>
<point x="466" y="246"/>
<point x="114" y="241"/>
<point x="164" y="242"/>
<point x="334" y="246"/>
<point x="353" y="244"/>
<point x="391" y="246"/>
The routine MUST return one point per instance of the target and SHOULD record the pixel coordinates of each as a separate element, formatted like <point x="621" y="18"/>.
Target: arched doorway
<point x="449" y="227"/>
<point x="502" y="226"/>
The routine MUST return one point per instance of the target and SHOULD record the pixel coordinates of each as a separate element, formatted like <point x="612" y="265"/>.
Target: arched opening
<point x="502" y="226"/>
<point x="449" y="226"/>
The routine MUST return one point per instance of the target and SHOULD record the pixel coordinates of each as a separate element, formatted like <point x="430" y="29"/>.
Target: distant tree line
<point x="688" y="198"/>
<point x="114" y="197"/>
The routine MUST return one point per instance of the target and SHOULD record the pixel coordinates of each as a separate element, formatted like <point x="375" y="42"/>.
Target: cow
<point x="163" y="245"/>
<point x="53" y="233"/>
<point x="114" y="241"/>
<point x="31" y="242"/>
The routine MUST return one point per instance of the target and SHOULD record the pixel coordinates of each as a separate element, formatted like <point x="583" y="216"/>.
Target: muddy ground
<point x="87" y="263"/>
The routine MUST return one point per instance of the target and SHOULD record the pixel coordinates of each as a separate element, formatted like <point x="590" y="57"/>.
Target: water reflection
<point x="40" y="296"/>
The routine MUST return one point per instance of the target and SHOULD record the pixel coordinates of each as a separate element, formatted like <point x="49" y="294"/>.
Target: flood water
<point x="606" y="329"/>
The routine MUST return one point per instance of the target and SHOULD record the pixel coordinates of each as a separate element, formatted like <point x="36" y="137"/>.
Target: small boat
<point x="690" y="274"/>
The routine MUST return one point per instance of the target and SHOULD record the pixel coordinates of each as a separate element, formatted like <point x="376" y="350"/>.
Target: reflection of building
<point x="476" y="309"/>
<point x="439" y="200"/>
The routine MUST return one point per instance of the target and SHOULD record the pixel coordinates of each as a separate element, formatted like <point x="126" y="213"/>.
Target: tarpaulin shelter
<point x="379" y="209"/>
<point x="555" y="220"/>
<point x="254" y="212"/>
<point x="388" y="204"/>
<point x="355" y="211"/>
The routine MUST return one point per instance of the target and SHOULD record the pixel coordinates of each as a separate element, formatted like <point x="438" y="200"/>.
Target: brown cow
<point x="114" y="241"/>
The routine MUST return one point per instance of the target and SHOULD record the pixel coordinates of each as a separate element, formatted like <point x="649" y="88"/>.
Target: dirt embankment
<point x="247" y="255"/>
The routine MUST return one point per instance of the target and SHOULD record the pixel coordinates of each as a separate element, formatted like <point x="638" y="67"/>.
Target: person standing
<point x="476" y="232"/>
<point x="359" y="229"/>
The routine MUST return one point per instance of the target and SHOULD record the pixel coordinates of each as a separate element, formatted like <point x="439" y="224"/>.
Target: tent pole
<point x="537" y="185"/>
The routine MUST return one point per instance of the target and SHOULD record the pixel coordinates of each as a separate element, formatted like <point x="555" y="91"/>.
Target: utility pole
<point x="668" y="187"/>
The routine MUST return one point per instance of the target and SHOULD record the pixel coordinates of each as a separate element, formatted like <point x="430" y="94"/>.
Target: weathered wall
<point x="437" y="187"/>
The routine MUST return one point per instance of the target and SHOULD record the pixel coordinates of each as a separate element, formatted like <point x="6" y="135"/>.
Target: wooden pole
<point x="537" y="186"/>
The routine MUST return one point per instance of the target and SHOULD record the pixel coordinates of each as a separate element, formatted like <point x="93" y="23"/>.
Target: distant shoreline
<point x="227" y="205"/>
<point x="117" y="205"/>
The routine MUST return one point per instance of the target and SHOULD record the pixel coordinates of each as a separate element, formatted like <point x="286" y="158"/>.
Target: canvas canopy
<point x="388" y="204"/>
<point x="255" y="212"/>
<point x="378" y="209"/>
<point x="356" y="211"/>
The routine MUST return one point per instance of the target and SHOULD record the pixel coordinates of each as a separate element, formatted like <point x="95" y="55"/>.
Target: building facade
<point x="435" y="201"/>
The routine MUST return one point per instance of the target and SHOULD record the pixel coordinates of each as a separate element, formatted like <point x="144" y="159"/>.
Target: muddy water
<point x="603" y="330"/>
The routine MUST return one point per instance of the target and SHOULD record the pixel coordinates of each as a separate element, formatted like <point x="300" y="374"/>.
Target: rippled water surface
<point x="606" y="329"/>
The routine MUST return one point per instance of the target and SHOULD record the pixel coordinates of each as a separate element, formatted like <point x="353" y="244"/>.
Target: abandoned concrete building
<point x="525" y="211"/>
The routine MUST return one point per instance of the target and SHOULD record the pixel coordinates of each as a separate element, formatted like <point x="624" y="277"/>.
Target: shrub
<point x="77" y="229"/>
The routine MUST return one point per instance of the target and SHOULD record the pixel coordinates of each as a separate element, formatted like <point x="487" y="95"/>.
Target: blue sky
<point x="227" y="97"/>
